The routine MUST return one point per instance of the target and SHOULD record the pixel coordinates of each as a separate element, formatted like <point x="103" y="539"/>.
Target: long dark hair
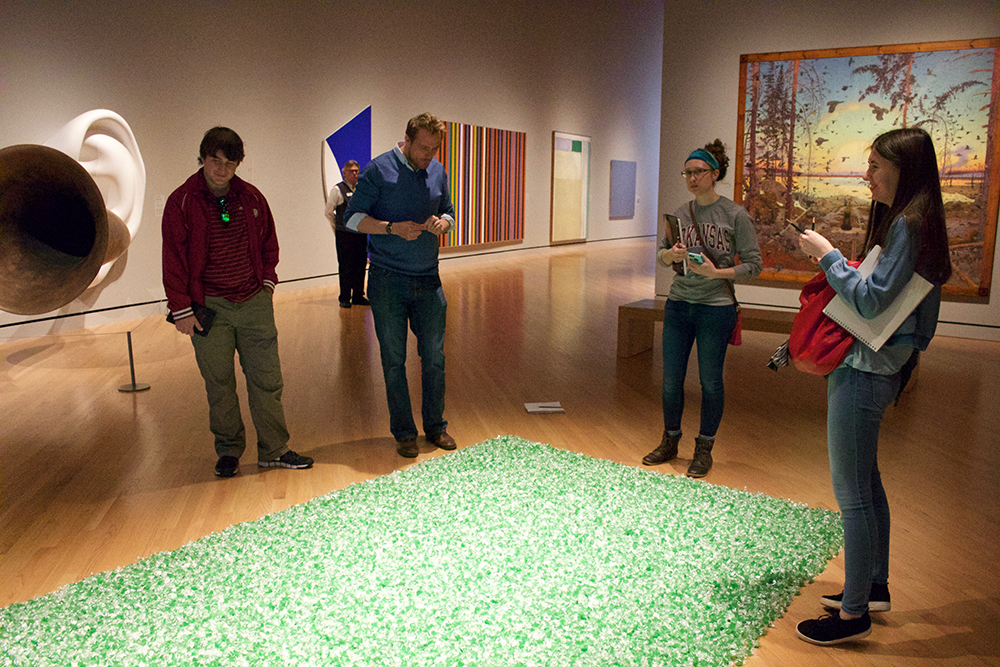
<point x="918" y="197"/>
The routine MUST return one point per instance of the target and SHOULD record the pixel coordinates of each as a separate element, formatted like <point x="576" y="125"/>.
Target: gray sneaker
<point x="288" y="460"/>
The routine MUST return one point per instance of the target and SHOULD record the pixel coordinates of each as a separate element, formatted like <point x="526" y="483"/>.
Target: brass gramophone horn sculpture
<point x="53" y="229"/>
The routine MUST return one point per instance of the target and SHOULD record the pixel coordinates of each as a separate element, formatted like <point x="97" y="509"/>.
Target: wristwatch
<point x="388" y="228"/>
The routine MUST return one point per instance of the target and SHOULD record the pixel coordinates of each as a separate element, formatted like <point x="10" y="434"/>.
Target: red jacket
<point x="185" y="239"/>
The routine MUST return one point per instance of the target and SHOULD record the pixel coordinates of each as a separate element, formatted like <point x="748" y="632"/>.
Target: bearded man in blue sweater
<point x="402" y="201"/>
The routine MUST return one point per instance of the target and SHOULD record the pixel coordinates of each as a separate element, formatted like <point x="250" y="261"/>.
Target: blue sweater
<point x="389" y="189"/>
<point x="871" y="296"/>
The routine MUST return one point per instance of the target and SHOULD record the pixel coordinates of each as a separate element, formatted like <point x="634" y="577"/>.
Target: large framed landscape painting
<point x="805" y="127"/>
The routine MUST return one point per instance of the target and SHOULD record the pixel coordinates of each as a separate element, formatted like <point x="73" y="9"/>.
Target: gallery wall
<point x="703" y="42"/>
<point x="287" y="74"/>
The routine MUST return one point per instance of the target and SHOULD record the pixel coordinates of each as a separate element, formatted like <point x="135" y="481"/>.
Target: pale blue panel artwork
<point x="622" y="189"/>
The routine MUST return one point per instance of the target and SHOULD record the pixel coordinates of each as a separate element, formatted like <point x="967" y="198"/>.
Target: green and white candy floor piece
<point x="504" y="553"/>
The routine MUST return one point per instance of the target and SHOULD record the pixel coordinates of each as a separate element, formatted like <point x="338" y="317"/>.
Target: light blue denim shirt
<point x="872" y="295"/>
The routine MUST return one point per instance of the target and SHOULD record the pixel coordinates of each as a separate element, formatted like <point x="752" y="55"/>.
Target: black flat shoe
<point x="832" y="629"/>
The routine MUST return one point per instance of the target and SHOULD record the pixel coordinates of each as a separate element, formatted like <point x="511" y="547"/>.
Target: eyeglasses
<point x="688" y="173"/>
<point x="225" y="209"/>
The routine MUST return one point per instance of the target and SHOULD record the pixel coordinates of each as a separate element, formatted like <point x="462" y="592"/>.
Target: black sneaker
<point x="288" y="460"/>
<point x="360" y="301"/>
<point x="345" y="304"/>
<point x="227" y="466"/>
<point x="878" y="599"/>
<point x="831" y="629"/>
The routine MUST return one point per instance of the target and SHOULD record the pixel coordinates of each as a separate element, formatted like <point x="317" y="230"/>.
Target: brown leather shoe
<point x="442" y="441"/>
<point x="667" y="450"/>
<point x="407" y="448"/>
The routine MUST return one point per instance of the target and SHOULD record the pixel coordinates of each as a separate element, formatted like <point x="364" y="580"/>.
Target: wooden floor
<point x="94" y="479"/>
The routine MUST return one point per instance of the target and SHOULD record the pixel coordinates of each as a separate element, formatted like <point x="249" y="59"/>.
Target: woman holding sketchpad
<point x="907" y="222"/>
<point x="710" y="233"/>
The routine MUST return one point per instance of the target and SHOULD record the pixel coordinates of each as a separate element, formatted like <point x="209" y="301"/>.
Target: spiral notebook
<point x="876" y="331"/>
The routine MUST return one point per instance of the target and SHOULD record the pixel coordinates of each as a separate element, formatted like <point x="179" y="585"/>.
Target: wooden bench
<point x="636" y="322"/>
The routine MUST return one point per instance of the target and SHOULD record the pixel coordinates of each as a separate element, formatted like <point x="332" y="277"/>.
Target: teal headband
<point x="702" y="154"/>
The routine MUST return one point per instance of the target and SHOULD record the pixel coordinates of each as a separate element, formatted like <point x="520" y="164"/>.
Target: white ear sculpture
<point x="68" y="210"/>
<point x="103" y="143"/>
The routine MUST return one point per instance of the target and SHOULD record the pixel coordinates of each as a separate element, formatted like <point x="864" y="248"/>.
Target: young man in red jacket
<point x="219" y="256"/>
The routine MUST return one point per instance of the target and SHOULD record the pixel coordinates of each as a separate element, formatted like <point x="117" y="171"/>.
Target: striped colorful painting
<point x="486" y="171"/>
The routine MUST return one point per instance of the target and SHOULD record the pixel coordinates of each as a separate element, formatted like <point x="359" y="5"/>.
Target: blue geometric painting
<point x="353" y="141"/>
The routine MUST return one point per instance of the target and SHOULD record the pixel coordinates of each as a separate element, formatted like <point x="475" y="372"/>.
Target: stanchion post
<point x="129" y="388"/>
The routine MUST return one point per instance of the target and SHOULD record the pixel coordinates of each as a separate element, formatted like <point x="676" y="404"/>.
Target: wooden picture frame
<point x="806" y="121"/>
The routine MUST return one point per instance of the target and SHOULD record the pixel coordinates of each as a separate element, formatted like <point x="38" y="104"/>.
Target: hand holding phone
<point x="694" y="254"/>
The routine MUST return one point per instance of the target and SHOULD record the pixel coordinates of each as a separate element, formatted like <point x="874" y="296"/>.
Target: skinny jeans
<point x="856" y="402"/>
<point x="711" y="326"/>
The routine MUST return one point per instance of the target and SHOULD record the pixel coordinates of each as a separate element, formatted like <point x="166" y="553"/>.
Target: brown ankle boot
<point x="665" y="452"/>
<point x="702" y="462"/>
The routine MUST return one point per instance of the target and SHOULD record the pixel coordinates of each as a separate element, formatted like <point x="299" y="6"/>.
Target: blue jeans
<point x="398" y="300"/>
<point x="856" y="401"/>
<point x="711" y="326"/>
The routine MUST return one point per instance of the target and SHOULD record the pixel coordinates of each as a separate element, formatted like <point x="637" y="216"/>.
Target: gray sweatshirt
<point x="728" y="231"/>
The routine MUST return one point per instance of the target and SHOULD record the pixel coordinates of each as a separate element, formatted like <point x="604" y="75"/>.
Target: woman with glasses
<point x="701" y="306"/>
<point x="907" y="221"/>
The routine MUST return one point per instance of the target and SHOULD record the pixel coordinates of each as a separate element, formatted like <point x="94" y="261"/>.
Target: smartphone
<point x="694" y="255"/>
